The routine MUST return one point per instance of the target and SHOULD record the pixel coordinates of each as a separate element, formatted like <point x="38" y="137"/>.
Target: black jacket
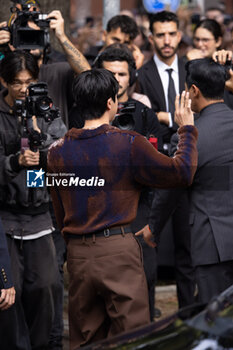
<point x="5" y="268"/>
<point x="15" y="196"/>
<point x="150" y="85"/>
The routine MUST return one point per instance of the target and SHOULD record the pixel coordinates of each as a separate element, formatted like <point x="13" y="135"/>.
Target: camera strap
<point x="46" y="52"/>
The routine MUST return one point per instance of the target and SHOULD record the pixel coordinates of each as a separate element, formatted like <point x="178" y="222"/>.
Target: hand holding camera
<point x="224" y="57"/>
<point x="57" y="23"/>
<point x="29" y="158"/>
<point x="4" y="34"/>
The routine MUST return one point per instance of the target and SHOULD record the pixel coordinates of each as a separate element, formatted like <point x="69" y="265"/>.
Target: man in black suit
<point x="161" y="79"/>
<point x="211" y="194"/>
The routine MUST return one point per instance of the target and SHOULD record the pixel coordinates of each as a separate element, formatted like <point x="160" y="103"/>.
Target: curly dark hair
<point x="125" y="23"/>
<point x="115" y="52"/>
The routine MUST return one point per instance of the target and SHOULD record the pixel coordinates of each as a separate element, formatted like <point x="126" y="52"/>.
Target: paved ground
<point x="166" y="301"/>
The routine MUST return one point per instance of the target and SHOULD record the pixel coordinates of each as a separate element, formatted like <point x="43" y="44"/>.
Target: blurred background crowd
<point x="86" y="30"/>
<point x="85" y="20"/>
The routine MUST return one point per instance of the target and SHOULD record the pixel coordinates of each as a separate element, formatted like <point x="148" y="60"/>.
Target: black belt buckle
<point x="106" y="232"/>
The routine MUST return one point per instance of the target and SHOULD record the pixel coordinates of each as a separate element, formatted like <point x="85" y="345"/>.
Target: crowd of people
<point x="137" y="83"/>
<point x="91" y="33"/>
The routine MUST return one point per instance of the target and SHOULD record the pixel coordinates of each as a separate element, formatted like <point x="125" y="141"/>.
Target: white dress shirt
<point x="161" y="66"/>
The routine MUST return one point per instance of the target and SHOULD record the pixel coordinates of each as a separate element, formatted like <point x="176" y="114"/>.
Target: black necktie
<point x="171" y="92"/>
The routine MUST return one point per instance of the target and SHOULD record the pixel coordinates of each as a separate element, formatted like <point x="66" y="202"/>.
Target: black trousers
<point x="184" y="269"/>
<point x="213" y="279"/>
<point x="175" y="248"/>
<point x="56" y="335"/>
<point x="27" y="324"/>
<point x="149" y="254"/>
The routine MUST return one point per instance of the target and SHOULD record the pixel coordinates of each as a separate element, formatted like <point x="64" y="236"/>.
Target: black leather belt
<point x="118" y="230"/>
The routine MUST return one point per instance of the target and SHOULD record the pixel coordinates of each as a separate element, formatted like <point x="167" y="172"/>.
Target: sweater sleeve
<point x="56" y="199"/>
<point x="151" y="168"/>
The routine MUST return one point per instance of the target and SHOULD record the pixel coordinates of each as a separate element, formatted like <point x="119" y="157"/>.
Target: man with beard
<point x="164" y="75"/>
<point x="161" y="79"/>
<point x="118" y="59"/>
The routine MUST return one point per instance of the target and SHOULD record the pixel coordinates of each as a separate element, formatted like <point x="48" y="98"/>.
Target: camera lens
<point x="44" y="103"/>
<point x="124" y="121"/>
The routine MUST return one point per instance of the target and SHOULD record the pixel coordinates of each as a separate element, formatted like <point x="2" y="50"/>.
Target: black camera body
<point x="22" y="36"/>
<point x="37" y="103"/>
<point x="26" y="38"/>
<point x="228" y="65"/>
<point x="124" y="119"/>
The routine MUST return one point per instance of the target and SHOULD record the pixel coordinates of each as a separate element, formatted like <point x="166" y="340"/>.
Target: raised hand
<point x="183" y="112"/>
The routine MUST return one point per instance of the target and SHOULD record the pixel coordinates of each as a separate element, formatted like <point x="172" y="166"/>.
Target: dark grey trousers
<point x="213" y="279"/>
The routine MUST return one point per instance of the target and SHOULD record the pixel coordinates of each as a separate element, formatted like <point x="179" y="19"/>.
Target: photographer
<point x="58" y="75"/>
<point x="25" y="212"/>
<point x="118" y="59"/>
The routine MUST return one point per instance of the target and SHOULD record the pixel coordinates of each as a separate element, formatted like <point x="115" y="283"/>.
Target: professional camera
<point x="22" y="36"/>
<point x="37" y="103"/>
<point x="124" y="119"/>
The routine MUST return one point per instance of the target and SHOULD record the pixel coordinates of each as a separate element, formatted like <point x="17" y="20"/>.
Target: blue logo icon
<point x="35" y="178"/>
<point x="159" y="5"/>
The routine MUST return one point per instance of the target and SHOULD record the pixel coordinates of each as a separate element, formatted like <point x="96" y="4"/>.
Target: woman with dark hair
<point x="207" y="38"/>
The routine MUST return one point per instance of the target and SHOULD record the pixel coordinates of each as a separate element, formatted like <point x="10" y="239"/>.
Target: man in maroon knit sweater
<point x="98" y="173"/>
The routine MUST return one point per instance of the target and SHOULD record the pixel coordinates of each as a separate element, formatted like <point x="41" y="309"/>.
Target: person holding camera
<point x="24" y="209"/>
<point x="132" y="114"/>
<point x="58" y="75"/>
